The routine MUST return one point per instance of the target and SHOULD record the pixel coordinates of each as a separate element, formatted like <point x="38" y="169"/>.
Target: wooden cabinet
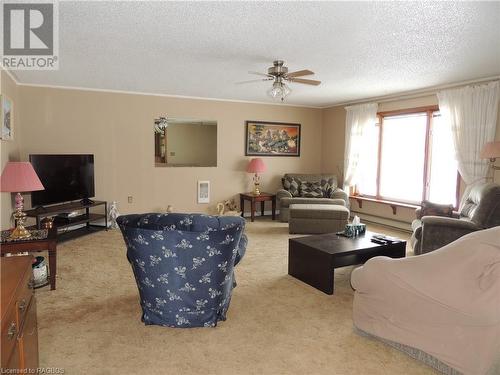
<point x="19" y="331"/>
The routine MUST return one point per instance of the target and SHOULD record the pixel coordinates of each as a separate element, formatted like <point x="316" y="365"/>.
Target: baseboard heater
<point x="384" y="221"/>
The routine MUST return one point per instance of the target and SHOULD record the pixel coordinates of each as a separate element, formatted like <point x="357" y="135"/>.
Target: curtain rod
<point x="419" y="93"/>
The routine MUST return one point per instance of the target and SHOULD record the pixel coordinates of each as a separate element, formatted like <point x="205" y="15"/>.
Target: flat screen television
<point x="65" y="178"/>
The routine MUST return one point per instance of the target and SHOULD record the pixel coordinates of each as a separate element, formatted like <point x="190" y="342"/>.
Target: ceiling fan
<point x="278" y="73"/>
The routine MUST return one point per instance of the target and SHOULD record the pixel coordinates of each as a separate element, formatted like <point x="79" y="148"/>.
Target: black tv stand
<point x="63" y="228"/>
<point x="86" y="201"/>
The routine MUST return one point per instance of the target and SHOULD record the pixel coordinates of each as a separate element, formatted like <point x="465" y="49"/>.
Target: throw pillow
<point x="291" y="185"/>
<point x="311" y="189"/>
<point x="433" y="209"/>
<point x="328" y="186"/>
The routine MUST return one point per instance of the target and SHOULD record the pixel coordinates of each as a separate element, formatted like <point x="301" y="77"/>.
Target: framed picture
<point x="7" y="119"/>
<point x="203" y="191"/>
<point x="272" y="139"/>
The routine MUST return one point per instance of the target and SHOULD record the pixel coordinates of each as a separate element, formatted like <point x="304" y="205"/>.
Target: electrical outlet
<point x="172" y="153"/>
<point x="130" y="199"/>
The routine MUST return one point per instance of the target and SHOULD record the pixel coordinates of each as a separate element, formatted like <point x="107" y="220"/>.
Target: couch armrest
<point x="282" y="193"/>
<point x="340" y="194"/>
<point x="438" y="231"/>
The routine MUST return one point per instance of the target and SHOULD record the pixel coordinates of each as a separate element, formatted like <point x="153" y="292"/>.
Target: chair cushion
<point x="433" y="209"/>
<point x="319" y="211"/>
<point x="286" y="202"/>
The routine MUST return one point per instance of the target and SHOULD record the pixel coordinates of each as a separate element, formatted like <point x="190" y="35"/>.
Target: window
<point x="408" y="157"/>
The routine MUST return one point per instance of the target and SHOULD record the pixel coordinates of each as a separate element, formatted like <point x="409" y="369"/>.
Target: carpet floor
<point x="276" y="324"/>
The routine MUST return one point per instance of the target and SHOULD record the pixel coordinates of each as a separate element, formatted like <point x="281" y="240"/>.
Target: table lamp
<point x="491" y="150"/>
<point x="256" y="166"/>
<point x="19" y="177"/>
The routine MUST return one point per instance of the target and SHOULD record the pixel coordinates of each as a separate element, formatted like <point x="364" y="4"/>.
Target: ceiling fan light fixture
<point x="279" y="90"/>
<point x="161" y="124"/>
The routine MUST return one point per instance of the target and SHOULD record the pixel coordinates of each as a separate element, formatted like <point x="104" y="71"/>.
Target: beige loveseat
<point x="285" y="198"/>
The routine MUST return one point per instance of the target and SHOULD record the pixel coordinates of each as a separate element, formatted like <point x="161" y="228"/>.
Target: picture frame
<point x="203" y="191"/>
<point x="6" y="118"/>
<point x="265" y="138"/>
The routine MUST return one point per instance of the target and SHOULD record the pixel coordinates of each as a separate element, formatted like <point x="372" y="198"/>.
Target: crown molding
<point x="412" y="94"/>
<point x="12" y="75"/>
<point x="125" y="92"/>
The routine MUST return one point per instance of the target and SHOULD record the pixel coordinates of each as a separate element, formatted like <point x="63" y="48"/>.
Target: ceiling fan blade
<point x="305" y="81"/>
<point x="260" y="74"/>
<point x="300" y="73"/>
<point x="253" y="80"/>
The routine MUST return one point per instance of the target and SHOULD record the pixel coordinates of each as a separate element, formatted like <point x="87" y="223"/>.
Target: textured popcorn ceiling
<point x="358" y="50"/>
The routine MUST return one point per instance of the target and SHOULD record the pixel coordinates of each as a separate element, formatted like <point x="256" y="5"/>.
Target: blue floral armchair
<point x="184" y="265"/>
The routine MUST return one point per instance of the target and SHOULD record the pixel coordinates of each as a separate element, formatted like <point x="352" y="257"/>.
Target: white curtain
<point x="471" y="112"/>
<point x="358" y="119"/>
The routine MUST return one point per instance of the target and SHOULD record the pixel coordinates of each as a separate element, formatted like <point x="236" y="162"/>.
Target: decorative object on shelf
<point x="491" y="151"/>
<point x="113" y="214"/>
<point x="265" y="138"/>
<point x="7" y="116"/>
<point x="228" y="208"/>
<point x="18" y="177"/>
<point x="47" y="223"/>
<point x="170" y="209"/>
<point x="203" y="191"/>
<point x="161" y="124"/>
<point x="278" y="73"/>
<point x="256" y="166"/>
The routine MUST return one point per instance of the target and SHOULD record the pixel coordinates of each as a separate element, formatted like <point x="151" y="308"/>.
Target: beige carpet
<point x="276" y="324"/>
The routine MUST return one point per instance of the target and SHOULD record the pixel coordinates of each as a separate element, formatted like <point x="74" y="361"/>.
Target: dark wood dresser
<point x="18" y="314"/>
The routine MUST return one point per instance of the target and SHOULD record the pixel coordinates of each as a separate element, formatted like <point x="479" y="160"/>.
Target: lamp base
<point x="256" y="190"/>
<point x="20" y="232"/>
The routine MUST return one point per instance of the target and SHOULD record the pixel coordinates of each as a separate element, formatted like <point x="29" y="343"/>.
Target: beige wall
<point x="9" y="150"/>
<point x="333" y="151"/>
<point x="117" y="129"/>
<point x="193" y="144"/>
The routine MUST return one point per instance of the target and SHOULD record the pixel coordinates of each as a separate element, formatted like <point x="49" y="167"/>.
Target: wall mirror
<point x="185" y="142"/>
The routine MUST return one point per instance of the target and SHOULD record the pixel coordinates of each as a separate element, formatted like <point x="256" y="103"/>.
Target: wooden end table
<point x="30" y="246"/>
<point x="263" y="197"/>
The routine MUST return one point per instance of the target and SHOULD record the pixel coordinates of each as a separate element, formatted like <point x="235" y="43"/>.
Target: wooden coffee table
<point x="313" y="259"/>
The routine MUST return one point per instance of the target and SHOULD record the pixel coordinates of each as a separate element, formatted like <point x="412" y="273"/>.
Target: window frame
<point x="430" y="111"/>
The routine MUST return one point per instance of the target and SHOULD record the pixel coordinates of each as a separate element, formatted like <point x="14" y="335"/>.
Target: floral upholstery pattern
<point x="183" y="265"/>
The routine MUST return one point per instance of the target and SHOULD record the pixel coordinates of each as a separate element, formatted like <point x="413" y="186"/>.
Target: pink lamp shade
<point x="491" y="150"/>
<point x="18" y="177"/>
<point x="256" y="165"/>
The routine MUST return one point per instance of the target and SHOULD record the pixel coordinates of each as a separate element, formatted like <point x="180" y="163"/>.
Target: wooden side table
<point x="30" y="246"/>
<point x="263" y="197"/>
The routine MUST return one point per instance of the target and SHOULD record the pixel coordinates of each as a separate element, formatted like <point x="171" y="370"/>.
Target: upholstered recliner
<point x="286" y="198"/>
<point x="183" y="265"/>
<point x="479" y="209"/>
